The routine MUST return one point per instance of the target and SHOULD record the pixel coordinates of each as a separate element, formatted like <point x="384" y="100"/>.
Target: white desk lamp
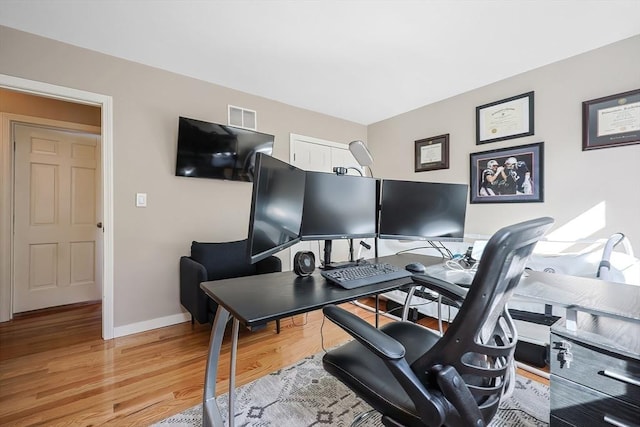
<point x="362" y="155"/>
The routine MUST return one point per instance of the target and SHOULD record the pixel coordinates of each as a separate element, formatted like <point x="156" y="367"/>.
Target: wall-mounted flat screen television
<point x="212" y="150"/>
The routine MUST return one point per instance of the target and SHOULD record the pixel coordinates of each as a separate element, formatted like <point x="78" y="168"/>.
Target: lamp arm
<point x="356" y="169"/>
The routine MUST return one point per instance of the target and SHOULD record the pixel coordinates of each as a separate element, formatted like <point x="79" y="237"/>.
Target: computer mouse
<point x="415" y="267"/>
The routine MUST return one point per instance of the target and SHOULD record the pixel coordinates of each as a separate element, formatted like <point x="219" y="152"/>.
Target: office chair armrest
<point x="455" y="293"/>
<point x="376" y="341"/>
<point x="456" y="392"/>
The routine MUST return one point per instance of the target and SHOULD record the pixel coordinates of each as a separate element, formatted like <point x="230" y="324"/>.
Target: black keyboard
<point x="363" y="275"/>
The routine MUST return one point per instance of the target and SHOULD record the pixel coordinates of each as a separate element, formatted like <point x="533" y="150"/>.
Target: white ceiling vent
<point x="243" y="118"/>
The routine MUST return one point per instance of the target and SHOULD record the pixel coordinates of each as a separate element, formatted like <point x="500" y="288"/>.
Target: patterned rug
<point x="305" y="395"/>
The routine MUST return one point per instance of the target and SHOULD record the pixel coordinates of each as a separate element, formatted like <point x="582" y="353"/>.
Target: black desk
<point x="254" y="300"/>
<point x="574" y="294"/>
<point x="258" y="299"/>
<point x="581" y="294"/>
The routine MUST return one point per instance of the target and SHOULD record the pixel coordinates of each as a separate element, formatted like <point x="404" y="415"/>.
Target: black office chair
<point x="414" y="377"/>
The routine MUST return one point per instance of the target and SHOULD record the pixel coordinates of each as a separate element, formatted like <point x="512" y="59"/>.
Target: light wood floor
<point x="55" y="369"/>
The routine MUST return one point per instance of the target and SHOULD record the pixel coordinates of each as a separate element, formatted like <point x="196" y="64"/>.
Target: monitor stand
<point x="328" y="265"/>
<point x="344" y="264"/>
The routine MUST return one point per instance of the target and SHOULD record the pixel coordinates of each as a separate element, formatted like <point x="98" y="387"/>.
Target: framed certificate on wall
<point x="432" y="153"/>
<point x="611" y="121"/>
<point x="505" y="119"/>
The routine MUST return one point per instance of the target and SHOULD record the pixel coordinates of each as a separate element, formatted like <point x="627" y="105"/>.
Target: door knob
<point x="99" y="225"/>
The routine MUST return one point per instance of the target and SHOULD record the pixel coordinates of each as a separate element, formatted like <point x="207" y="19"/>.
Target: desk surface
<point x="616" y="300"/>
<point x="262" y="298"/>
<point x="266" y="297"/>
<point x="594" y="296"/>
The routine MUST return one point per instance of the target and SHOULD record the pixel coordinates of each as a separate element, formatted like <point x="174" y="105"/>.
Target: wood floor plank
<point x="55" y="369"/>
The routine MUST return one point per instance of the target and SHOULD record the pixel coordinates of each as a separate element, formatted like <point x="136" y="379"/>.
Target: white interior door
<point x="321" y="156"/>
<point x="311" y="156"/>
<point x="57" y="196"/>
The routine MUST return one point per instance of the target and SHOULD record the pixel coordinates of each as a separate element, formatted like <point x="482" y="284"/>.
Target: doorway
<point x="56" y="211"/>
<point x="106" y="175"/>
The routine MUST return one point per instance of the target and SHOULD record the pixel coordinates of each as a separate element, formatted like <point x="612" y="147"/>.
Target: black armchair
<point x="414" y="377"/>
<point x="215" y="261"/>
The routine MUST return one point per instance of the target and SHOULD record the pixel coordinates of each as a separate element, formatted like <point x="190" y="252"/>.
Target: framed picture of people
<point x="508" y="175"/>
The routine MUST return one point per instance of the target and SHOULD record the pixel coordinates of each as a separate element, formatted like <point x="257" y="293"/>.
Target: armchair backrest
<point x="481" y="340"/>
<point x="224" y="260"/>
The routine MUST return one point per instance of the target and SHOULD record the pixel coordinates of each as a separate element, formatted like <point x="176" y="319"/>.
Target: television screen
<point x="276" y="207"/>
<point x="211" y="150"/>
<point x="412" y="210"/>
<point x="338" y="207"/>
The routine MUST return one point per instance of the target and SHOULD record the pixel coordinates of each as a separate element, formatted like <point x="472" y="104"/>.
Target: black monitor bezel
<point x="243" y="143"/>
<point x="306" y="236"/>
<point x="260" y="161"/>
<point x="461" y="188"/>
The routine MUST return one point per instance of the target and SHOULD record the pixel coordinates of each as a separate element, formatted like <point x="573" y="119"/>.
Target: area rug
<point x="305" y="395"/>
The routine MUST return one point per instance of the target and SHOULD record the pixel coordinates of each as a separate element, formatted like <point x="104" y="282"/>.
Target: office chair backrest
<point x="481" y="340"/>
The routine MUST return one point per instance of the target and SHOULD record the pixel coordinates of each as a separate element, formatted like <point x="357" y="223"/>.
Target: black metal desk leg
<point x="210" y="413"/>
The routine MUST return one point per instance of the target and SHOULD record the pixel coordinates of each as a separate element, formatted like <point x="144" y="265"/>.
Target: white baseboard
<point x="147" y="325"/>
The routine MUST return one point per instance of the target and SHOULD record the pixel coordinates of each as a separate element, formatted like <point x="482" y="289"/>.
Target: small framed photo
<point x="432" y="153"/>
<point x="611" y="121"/>
<point x="508" y="175"/>
<point x="505" y="119"/>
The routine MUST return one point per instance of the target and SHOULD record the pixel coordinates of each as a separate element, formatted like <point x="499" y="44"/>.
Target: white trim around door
<point x="6" y="228"/>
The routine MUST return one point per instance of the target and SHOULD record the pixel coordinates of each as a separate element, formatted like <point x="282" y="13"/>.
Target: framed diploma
<point x="505" y="119"/>
<point x="432" y="153"/>
<point x="508" y="175"/>
<point x="611" y="121"/>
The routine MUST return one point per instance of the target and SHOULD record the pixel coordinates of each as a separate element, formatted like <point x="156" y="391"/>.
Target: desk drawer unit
<point x="581" y="406"/>
<point x="595" y="377"/>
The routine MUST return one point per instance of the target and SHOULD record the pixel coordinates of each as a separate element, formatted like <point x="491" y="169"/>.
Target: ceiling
<point x="363" y="61"/>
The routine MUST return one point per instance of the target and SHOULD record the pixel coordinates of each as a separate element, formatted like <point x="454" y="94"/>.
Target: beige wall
<point x="148" y="101"/>
<point x="38" y="106"/>
<point x="575" y="181"/>
<point x="146" y="106"/>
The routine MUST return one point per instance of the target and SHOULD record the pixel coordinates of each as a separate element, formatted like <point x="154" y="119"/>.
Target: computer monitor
<point x="411" y="210"/>
<point x="338" y="207"/>
<point x="276" y="207"/>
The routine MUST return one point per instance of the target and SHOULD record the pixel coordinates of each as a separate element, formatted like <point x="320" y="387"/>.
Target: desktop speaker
<point x="304" y="262"/>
